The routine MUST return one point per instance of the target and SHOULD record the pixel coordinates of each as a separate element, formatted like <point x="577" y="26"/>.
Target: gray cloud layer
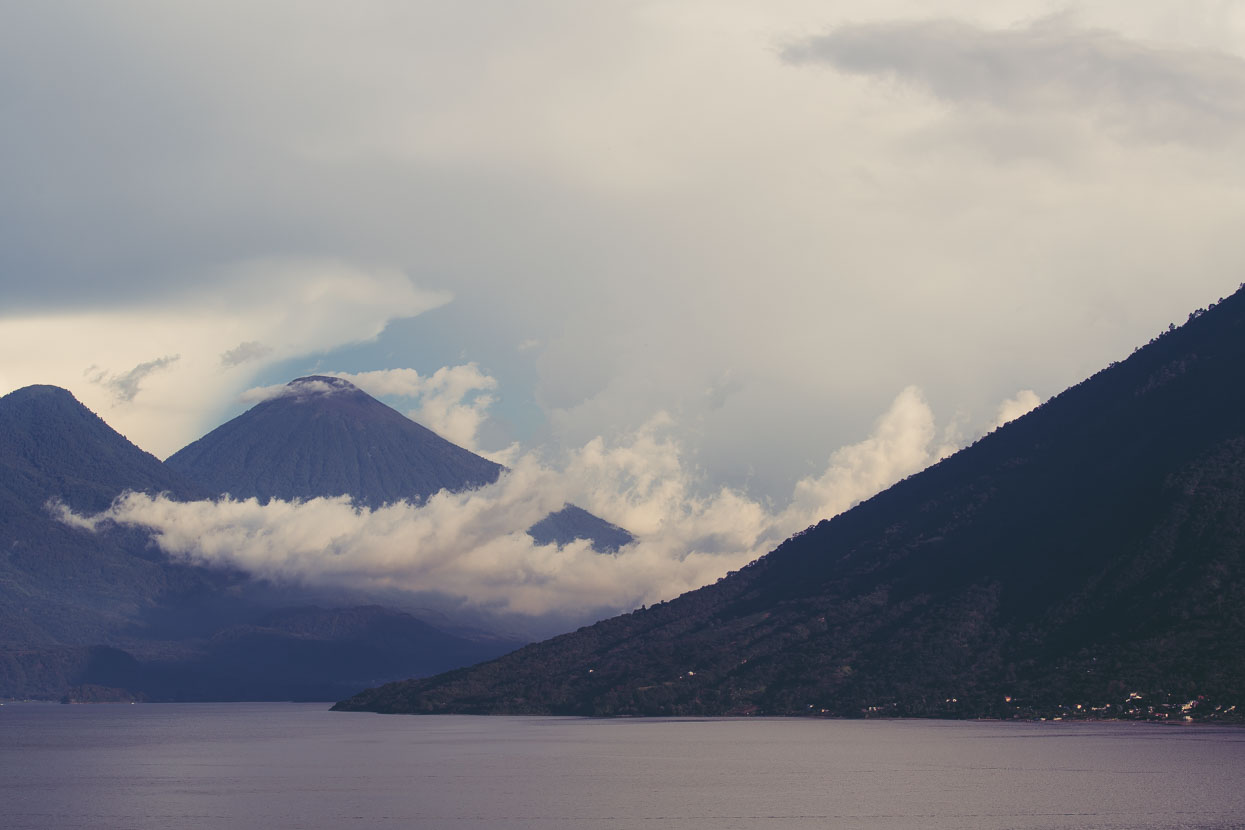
<point x="125" y="386"/>
<point x="243" y="352"/>
<point x="1147" y="92"/>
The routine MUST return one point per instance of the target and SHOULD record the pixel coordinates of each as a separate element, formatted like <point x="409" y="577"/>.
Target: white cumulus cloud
<point x="1012" y="408"/>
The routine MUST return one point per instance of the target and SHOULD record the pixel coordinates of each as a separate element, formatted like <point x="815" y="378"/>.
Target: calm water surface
<point x="270" y="766"/>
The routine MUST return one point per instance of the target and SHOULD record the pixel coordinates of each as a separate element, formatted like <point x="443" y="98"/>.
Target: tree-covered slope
<point x="1088" y="557"/>
<point x="59" y="584"/>
<point x="51" y="444"/>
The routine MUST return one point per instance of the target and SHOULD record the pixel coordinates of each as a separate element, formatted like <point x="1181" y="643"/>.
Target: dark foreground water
<point x="272" y="766"/>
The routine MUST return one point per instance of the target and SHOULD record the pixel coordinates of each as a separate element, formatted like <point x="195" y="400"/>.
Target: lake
<point x="270" y="766"/>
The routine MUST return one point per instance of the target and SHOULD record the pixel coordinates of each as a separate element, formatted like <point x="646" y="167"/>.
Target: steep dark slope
<point x="62" y="589"/>
<point x="1092" y="550"/>
<point x="107" y="611"/>
<point x="50" y="443"/>
<point x="327" y="437"/>
<point x="59" y="584"/>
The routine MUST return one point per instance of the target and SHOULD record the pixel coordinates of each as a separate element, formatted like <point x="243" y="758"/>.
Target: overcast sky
<point x="760" y="222"/>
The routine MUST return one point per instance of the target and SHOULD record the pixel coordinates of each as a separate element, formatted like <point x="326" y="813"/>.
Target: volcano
<point x="322" y="436"/>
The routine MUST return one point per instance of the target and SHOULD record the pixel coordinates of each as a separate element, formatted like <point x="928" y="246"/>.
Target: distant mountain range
<point x="106" y="615"/>
<point x="1086" y="560"/>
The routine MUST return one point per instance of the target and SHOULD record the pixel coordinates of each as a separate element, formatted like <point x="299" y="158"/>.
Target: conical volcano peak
<point x="328" y="380"/>
<point x="322" y="436"/>
<point x="320" y="385"/>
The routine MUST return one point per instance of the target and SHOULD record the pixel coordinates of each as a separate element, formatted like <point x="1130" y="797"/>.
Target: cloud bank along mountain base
<point x="472" y="546"/>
